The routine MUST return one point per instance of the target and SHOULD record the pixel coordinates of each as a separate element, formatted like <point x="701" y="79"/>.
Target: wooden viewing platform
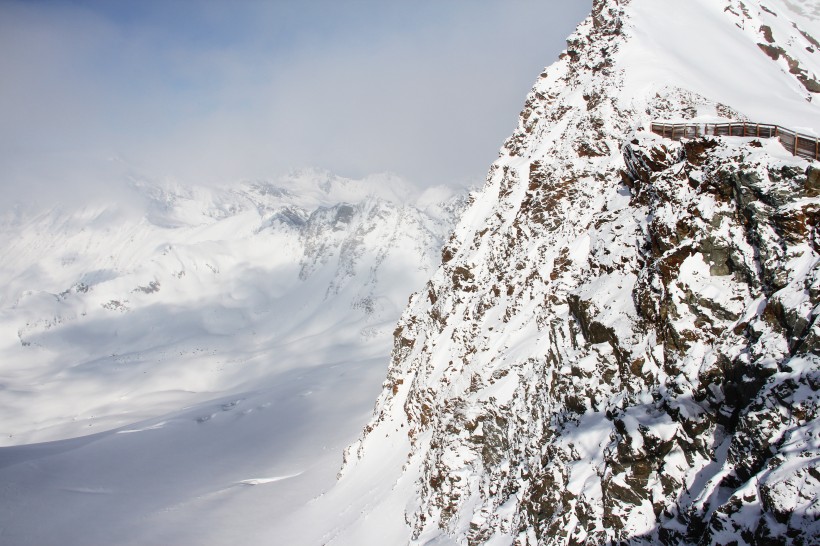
<point x="799" y="144"/>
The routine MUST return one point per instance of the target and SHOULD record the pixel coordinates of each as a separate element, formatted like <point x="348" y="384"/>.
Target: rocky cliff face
<point x="621" y="344"/>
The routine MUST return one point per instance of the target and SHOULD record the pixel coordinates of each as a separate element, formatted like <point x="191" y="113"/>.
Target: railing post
<point x="796" y="138"/>
<point x="730" y="129"/>
<point x="816" y="149"/>
<point x="758" y="130"/>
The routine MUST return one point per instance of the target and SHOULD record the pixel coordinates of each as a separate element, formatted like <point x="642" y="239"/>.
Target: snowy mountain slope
<point x="185" y="298"/>
<point x="743" y="64"/>
<point x="804" y="11"/>
<point x="198" y="351"/>
<point x="620" y="344"/>
<point x="212" y="473"/>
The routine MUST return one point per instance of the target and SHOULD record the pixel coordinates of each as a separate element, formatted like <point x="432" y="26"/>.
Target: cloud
<point x="427" y="90"/>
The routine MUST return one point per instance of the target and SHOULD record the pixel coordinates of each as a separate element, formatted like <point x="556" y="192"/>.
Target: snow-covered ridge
<point x="727" y="51"/>
<point x="620" y="343"/>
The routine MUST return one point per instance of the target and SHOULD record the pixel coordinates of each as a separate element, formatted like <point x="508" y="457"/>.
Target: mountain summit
<point x="621" y="344"/>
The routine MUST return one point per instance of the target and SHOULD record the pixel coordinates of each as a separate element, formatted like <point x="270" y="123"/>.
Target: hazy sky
<point x="213" y="91"/>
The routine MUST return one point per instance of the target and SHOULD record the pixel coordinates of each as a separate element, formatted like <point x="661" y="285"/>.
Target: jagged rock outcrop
<point x="621" y="343"/>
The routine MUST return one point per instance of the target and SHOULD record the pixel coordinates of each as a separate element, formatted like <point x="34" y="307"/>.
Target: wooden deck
<point x="799" y="144"/>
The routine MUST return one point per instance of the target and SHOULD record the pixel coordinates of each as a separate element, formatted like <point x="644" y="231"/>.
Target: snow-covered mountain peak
<point x="639" y="61"/>
<point x="321" y="188"/>
<point x="248" y="269"/>
<point x="618" y="343"/>
<point x="740" y="53"/>
<point x="596" y="359"/>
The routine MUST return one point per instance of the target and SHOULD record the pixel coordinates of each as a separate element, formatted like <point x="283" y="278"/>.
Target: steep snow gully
<point x="621" y="344"/>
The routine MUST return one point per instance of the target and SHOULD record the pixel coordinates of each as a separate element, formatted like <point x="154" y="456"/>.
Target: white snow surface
<point x="188" y="368"/>
<point x="231" y="380"/>
<point x="491" y="381"/>
<point x="710" y="47"/>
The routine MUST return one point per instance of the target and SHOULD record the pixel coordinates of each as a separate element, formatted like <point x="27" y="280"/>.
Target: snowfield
<point x="188" y="369"/>
<point x="619" y="343"/>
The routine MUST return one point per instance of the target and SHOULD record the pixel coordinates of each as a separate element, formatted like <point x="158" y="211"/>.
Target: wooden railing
<point x="799" y="144"/>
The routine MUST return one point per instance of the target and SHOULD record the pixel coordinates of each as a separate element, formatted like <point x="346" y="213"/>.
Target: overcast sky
<point x="212" y="91"/>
